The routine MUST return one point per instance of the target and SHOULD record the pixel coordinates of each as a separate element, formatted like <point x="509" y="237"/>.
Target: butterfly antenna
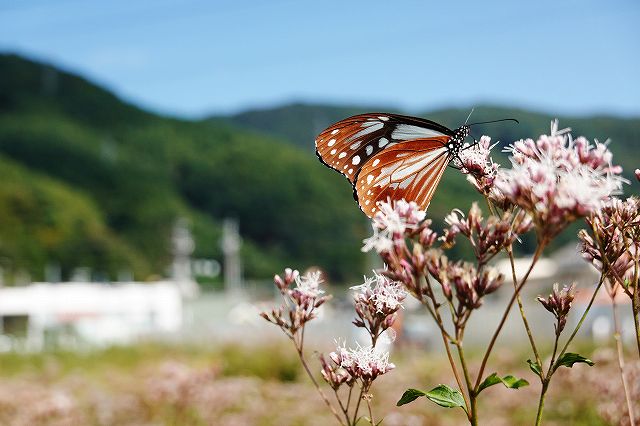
<point x="469" y="116"/>
<point x="495" y="121"/>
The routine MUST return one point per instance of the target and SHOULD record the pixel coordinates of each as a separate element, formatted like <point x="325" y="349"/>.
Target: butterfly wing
<point x="409" y="170"/>
<point x="348" y="145"/>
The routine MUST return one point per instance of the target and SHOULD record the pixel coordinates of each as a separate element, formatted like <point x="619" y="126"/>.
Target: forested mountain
<point x="89" y="180"/>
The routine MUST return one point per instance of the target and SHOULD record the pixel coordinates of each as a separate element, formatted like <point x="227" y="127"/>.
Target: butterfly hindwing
<point x="409" y="170"/>
<point x="348" y="145"/>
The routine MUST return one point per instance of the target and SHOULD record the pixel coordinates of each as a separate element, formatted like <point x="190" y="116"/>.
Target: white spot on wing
<point x="383" y="118"/>
<point x="335" y="131"/>
<point x="355" y="145"/>
<point x="342" y="155"/>
<point x="333" y="151"/>
<point x="369" y="179"/>
<point x="382" y="142"/>
<point x="331" y="142"/>
<point x="369" y="149"/>
<point x="376" y="162"/>
<point x="356" y="160"/>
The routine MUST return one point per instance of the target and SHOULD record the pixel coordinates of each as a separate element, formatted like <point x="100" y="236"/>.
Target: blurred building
<point x="42" y="315"/>
<point x="83" y="313"/>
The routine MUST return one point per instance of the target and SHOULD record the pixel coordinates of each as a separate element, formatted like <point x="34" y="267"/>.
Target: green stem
<point x="616" y="336"/>
<point x="582" y="318"/>
<point x="543" y="393"/>
<point x="317" y="386"/>
<point x="516" y="292"/>
<point x="445" y="340"/>
<point x="521" y="307"/>
<point x="473" y="413"/>
<point x="635" y="303"/>
<point x="355" y="415"/>
<point x="635" y="306"/>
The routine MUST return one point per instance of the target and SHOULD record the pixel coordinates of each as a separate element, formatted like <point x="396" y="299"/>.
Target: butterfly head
<point x="456" y="141"/>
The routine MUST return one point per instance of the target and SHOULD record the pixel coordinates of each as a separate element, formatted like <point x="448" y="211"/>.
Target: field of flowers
<point x="245" y="385"/>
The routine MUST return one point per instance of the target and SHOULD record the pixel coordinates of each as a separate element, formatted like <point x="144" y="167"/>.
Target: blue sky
<point x="192" y="58"/>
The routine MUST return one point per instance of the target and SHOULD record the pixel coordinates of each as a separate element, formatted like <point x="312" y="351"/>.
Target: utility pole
<point x="231" y="243"/>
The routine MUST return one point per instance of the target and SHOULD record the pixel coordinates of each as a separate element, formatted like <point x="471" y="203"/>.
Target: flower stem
<point x="635" y="303"/>
<point x="355" y="414"/>
<point x="546" y="379"/>
<point x="516" y="292"/>
<point x="445" y="340"/>
<point x="315" y="383"/>
<point x="521" y="307"/>
<point x="543" y="393"/>
<point x="473" y="414"/>
<point x="635" y="307"/>
<point x="582" y="318"/>
<point x="370" y="414"/>
<point x="618" y="340"/>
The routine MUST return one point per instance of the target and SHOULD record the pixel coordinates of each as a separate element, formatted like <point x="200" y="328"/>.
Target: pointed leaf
<point x="445" y="396"/>
<point x="513" y="383"/>
<point x="535" y="367"/>
<point x="508" y="381"/>
<point x="569" y="359"/>
<point x="493" y="379"/>
<point x="410" y="395"/>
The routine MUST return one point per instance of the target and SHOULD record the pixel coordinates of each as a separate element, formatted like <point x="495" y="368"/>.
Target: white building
<point x="83" y="313"/>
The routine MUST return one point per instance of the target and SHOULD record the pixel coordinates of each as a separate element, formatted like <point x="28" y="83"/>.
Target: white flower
<point x="557" y="179"/>
<point x="379" y="241"/>
<point x="585" y="190"/>
<point x="385" y="295"/>
<point x="363" y="361"/>
<point x="392" y="220"/>
<point x="309" y="284"/>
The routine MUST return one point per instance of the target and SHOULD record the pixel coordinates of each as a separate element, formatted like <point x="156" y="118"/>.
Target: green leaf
<point x="535" y="367"/>
<point x="410" y="395"/>
<point x="493" y="379"/>
<point x="513" y="383"/>
<point x="569" y="359"/>
<point x="508" y="381"/>
<point x="445" y="396"/>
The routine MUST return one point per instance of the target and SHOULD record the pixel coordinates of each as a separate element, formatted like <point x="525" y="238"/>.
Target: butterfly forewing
<point x="409" y="170"/>
<point x="348" y="145"/>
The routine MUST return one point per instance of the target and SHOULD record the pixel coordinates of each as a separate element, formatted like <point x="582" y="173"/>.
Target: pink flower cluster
<point x="301" y="301"/>
<point x="479" y="166"/>
<point x="613" y="246"/>
<point x="469" y="283"/>
<point x="377" y="302"/>
<point x="412" y="258"/>
<point x="391" y="222"/>
<point x="559" y="304"/>
<point x="365" y="363"/>
<point x="488" y="237"/>
<point x="557" y="179"/>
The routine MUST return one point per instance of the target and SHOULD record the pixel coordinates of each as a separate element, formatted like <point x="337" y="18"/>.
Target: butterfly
<point x="390" y="156"/>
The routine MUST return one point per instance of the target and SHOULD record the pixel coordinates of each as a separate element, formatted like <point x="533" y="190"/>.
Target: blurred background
<point x="157" y="168"/>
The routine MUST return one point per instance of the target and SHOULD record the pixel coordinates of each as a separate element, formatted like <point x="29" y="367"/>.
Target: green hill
<point x="300" y="123"/>
<point x="133" y="174"/>
<point x="89" y="180"/>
